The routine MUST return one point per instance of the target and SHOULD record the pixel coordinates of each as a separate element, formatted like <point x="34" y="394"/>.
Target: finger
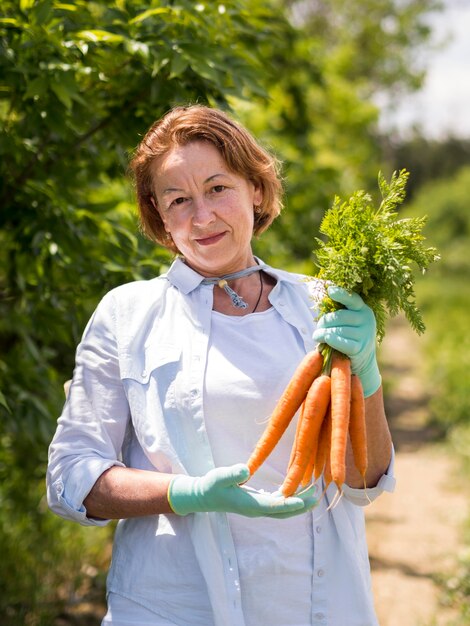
<point x="305" y="493"/>
<point x="350" y="300"/>
<point x="346" y="345"/>
<point x="309" y="497"/>
<point x="310" y="504"/>
<point x="232" y="475"/>
<point x="267" y="504"/>
<point x="353" y="333"/>
<point x="343" y="317"/>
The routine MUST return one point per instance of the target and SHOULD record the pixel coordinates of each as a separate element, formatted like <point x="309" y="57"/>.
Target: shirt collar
<point x="186" y="279"/>
<point x="183" y="277"/>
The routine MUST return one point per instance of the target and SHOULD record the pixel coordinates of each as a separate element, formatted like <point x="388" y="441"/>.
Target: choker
<point x="222" y="282"/>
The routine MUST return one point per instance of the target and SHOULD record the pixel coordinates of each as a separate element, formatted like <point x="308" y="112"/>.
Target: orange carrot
<point x="296" y="436"/>
<point x="327" y="476"/>
<point x="308" y="474"/>
<point x="340" y="411"/>
<point x="357" y="426"/>
<point x="316" y="405"/>
<point x="289" y="402"/>
<point x="322" y="459"/>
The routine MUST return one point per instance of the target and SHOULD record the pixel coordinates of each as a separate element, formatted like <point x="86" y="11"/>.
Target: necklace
<point x="222" y="282"/>
<point x="260" y="291"/>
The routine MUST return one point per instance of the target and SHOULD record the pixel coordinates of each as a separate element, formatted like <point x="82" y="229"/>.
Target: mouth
<point x="209" y="240"/>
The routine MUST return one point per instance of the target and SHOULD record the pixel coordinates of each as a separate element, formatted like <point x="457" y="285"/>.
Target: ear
<point x="257" y="195"/>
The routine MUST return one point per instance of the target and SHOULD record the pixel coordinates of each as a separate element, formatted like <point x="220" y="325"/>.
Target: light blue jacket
<point x="136" y="400"/>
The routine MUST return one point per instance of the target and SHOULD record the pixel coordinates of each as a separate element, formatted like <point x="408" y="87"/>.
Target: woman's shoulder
<point x="139" y="288"/>
<point x="137" y="295"/>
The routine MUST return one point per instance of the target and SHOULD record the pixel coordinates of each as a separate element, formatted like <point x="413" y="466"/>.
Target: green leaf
<point x="150" y="13"/>
<point x="98" y="36"/>
<point x="137" y="48"/>
<point x="4" y="403"/>
<point x="65" y="7"/>
<point x="9" y="21"/>
<point x="41" y="11"/>
<point x="62" y="93"/>
<point x="26" y="4"/>
<point x="178" y="65"/>
<point x="36" y="87"/>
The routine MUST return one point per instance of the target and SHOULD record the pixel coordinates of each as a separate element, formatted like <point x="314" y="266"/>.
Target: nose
<point x="202" y="212"/>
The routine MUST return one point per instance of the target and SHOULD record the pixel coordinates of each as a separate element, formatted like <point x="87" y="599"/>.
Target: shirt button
<point x="144" y="373"/>
<point x="320" y="573"/>
<point x="319" y="616"/>
<point x="318" y="529"/>
<point x="282" y="303"/>
<point x="194" y="393"/>
<point x="303" y="330"/>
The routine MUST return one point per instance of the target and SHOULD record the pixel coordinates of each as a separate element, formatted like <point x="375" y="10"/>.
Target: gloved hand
<point x="352" y="331"/>
<point x="220" y="490"/>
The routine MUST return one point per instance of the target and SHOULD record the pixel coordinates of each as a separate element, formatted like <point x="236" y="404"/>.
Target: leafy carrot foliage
<point x="369" y="250"/>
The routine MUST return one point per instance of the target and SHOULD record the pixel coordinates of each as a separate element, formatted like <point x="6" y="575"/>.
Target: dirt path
<point x="414" y="533"/>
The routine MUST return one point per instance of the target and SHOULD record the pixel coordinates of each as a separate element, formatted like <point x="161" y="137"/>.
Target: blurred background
<point x="339" y="90"/>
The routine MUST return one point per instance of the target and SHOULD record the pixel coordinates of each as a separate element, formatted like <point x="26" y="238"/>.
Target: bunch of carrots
<point x="368" y="250"/>
<point x="331" y="403"/>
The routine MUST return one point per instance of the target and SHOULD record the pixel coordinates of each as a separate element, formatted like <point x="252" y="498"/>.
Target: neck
<point x="223" y="282"/>
<point x="239" y="297"/>
<point x="218" y="271"/>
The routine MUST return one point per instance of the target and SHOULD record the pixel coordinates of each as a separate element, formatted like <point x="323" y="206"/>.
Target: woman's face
<point x="206" y="208"/>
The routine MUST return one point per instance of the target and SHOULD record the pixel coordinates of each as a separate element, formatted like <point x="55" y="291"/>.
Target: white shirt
<point x="137" y="400"/>
<point x="250" y="361"/>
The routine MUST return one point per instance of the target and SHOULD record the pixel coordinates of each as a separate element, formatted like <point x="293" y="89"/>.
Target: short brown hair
<point x="240" y="151"/>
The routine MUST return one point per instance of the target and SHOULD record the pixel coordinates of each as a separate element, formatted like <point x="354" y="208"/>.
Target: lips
<point x="209" y="240"/>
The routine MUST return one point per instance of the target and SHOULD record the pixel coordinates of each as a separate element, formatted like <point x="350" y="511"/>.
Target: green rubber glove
<point x="352" y="331"/>
<point x="219" y="490"/>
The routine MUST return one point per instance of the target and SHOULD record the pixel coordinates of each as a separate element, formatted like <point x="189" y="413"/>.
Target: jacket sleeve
<point x="91" y="429"/>
<point x="362" y="497"/>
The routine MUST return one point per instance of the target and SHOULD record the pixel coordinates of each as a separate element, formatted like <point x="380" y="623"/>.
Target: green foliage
<point x="447" y="350"/>
<point x="427" y="159"/>
<point x="321" y="118"/>
<point x="445" y="201"/>
<point x="44" y="560"/>
<point x="445" y="297"/>
<point x="369" y="251"/>
<point x="74" y="99"/>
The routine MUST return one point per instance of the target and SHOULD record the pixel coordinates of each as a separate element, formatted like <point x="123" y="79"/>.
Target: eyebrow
<point x="208" y="180"/>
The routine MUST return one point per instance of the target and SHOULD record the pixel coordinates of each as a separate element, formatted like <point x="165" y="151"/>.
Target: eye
<point x="218" y="188"/>
<point x="177" y="201"/>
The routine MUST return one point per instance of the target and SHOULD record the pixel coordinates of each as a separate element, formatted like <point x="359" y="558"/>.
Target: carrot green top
<point x="368" y="250"/>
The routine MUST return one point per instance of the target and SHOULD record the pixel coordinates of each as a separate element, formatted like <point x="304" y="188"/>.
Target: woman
<point x="174" y="380"/>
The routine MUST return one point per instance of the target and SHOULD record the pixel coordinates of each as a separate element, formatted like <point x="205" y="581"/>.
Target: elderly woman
<point x="174" y="381"/>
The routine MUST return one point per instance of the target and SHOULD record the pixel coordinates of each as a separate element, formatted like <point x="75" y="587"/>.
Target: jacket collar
<point x="186" y="279"/>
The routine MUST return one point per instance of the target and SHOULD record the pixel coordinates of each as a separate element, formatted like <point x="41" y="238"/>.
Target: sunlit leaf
<point x="98" y="36"/>
<point x="65" y="7"/>
<point x="150" y="13"/>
